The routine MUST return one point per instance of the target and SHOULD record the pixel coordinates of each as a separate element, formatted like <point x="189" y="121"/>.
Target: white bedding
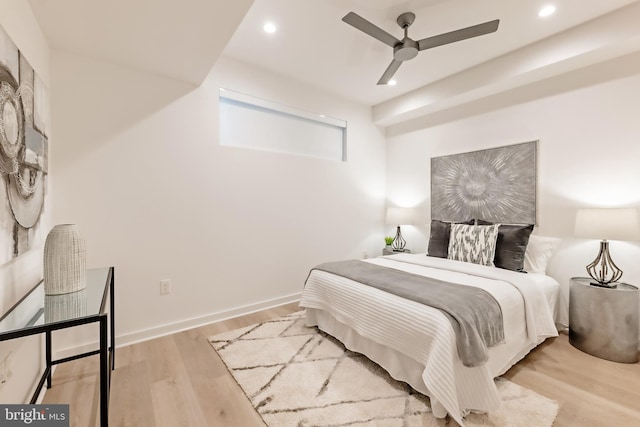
<point x="416" y="343"/>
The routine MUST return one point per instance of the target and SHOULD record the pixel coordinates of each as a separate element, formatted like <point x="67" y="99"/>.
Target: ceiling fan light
<point x="547" y="10"/>
<point x="392" y="83"/>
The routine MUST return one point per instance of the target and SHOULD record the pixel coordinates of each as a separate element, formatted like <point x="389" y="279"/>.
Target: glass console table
<point x="37" y="313"/>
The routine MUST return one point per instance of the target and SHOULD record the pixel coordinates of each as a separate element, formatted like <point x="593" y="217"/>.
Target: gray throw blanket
<point x="475" y="315"/>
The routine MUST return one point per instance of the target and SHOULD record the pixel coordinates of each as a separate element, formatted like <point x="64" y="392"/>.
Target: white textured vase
<point x="65" y="307"/>
<point x="65" y="260"/>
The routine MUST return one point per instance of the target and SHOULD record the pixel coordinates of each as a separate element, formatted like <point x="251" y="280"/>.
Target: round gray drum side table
<point x="604" y="321"/>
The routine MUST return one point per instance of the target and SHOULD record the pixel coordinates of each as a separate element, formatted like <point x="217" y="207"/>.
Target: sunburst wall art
<point x="498" y="185"/>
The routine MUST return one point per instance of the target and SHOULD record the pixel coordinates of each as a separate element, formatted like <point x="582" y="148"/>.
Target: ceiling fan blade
<point x="367" y="27"/>
<point x="391" y="70"/>
<point x="457" y="35"/>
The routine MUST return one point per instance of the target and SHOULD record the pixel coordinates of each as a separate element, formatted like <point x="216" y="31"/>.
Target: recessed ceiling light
<point x="547" y="10"/>
<point x="269" y="27"/>
<point x="392" y="83"/>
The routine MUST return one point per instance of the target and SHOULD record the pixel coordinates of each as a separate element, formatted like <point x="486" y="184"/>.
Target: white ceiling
<point x="182" y="39"/>
<point x="313" y="44"/>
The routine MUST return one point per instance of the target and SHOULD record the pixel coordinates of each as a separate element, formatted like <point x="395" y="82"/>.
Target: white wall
<point x="588" y="157"/>
<point x="23" y="356"/>
<point x="140" y="170"/>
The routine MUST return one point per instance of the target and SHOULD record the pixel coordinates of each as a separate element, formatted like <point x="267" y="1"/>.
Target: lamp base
<point x="603" y="270"/>
<point x="604" y="285"/>
<point x="398" y="242"/>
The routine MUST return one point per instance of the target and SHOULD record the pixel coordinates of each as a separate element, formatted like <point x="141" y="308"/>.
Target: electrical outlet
<point x="165" y="286"/>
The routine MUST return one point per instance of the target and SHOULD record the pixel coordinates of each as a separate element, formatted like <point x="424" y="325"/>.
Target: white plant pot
<point x="65" y="265"/>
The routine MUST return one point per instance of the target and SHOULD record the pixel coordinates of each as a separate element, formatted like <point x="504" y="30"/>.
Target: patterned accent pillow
<point x="473" y="243"/>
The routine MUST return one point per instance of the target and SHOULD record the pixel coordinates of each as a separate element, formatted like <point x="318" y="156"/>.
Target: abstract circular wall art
<point x="23" y="151"/>
<point x="497" y="185"/>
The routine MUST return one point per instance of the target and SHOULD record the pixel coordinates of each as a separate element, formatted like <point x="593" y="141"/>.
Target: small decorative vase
<point x="65" y="265"/>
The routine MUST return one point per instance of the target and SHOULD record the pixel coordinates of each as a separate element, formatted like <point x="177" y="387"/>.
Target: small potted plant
<point x="388" y="241"/>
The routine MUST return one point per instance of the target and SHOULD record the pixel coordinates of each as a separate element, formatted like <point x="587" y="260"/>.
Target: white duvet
<point x="404" y="336"/>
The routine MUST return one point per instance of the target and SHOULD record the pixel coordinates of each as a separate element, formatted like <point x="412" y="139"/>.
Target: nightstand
<point x="386" y="251"/>
<point x="604" y="321"/>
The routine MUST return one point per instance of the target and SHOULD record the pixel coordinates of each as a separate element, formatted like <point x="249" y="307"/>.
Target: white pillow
<point x="473" y="243"/>
<point x="538" y="253"/>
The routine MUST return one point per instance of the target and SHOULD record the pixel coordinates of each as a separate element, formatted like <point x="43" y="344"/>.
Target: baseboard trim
<point x="183" y="325"/>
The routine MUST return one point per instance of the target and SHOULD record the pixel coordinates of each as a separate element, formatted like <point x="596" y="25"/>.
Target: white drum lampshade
<point x="65" y="265"/>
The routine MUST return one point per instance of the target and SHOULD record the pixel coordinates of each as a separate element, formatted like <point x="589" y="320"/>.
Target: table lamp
<point x="398" y="217"/>
<point x="614" y="224"/>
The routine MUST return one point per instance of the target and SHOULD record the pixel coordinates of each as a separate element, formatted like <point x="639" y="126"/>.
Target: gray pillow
<point x="439" y="238"/>
<point x="511" y="245"/>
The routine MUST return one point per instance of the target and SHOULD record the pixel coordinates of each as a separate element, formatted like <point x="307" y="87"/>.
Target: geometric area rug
<point x="301" y="377"/>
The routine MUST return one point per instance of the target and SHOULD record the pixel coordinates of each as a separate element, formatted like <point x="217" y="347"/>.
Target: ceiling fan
<point x="407" y="48"/>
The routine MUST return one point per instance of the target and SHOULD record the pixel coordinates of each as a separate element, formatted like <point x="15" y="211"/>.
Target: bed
<point x="416" y="343"/>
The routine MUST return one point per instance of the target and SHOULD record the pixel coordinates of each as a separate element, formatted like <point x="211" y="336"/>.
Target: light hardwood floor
<point x="179" y="380"/>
